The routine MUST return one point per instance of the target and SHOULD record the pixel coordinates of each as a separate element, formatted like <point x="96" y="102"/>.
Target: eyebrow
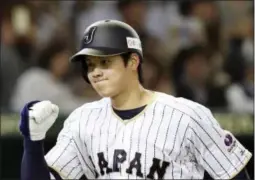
<point x="98" y="58"/>
<point x="87" y="60"/>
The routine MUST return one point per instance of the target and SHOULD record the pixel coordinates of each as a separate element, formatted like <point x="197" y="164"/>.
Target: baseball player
<point x="132" y="132"/>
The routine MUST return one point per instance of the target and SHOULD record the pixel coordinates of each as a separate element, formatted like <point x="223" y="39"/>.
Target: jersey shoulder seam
<point x="94" y="104"/>
<point x="173" y="102"/>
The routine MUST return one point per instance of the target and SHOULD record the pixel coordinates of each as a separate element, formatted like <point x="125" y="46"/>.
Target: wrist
<point x="37" y="136"/>
<point x="33" y="146"/>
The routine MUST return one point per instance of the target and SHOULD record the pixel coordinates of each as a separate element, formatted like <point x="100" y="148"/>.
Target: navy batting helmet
<point x="108" y="38"/>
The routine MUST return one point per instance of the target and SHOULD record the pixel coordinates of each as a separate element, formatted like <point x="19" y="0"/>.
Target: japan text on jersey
<point x="172" y="138"/>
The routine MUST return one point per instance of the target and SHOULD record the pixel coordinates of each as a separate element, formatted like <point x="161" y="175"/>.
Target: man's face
<point x="107" y="75"/>
<point x="59" y="64"/>
<point x="198" y="68"/>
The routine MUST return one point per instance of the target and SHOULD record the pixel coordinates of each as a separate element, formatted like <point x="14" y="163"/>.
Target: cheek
<point x="115" y="76"/>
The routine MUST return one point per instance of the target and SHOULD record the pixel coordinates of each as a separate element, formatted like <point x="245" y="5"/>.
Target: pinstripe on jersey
<point x="172" y="138"/>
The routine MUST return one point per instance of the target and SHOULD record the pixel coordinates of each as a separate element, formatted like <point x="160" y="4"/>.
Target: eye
<point x="105" y="62"/>
<point x="90" y="65"/>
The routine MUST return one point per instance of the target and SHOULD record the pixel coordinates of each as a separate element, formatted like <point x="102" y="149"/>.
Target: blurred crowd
<point x="200" y="50"/>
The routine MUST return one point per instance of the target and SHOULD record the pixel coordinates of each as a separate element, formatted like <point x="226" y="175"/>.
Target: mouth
<point x="101" y="80"/>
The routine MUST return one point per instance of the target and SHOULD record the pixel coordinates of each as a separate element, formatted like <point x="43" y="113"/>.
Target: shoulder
<point x="192" y="109"/>
<point x="72" y="123"/>
<point x="178" y="103"/>
<point x="38" y="72"/>
<point x="76" y="115"/>
<point x="234" y="90"/>
<point x="102" y="103"/>
<point x="34" y="75"/>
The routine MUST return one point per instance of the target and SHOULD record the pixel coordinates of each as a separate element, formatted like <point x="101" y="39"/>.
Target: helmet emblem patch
<point x="89" y="35"/>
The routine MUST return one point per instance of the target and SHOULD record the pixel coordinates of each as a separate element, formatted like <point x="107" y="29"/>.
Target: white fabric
<point x="42" y="115"/>
<point x="174" y="132"/>
<point x="238" y="101"/>
<point x="247" y="51"/>
<point x="158" y="18"/>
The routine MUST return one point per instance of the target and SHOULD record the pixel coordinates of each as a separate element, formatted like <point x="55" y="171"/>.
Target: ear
<point x="134" y="61"/>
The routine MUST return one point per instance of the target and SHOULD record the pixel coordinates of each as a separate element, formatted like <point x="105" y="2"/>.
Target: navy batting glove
<point x="24" y="119"/>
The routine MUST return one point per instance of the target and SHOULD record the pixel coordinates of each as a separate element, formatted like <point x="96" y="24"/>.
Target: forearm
<point x="33" y="164"/>
<point x="243" y="175"/>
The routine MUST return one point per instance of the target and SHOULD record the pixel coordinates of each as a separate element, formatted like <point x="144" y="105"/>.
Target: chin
<point x="106" y="90"/>
<point x="105" y="93"/>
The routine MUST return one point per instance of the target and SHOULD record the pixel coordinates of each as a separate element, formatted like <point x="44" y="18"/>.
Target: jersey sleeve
<point x="216" y="149"/>
<point x="64" y="159"/>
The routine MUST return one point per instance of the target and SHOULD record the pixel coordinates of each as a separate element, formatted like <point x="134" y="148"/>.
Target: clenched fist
<point x="36" y="119"/>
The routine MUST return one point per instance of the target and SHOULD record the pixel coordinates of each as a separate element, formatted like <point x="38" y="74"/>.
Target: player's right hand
<point x="36" y="119"/>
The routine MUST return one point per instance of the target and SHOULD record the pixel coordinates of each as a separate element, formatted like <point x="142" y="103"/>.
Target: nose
<point x="97" y="72"/>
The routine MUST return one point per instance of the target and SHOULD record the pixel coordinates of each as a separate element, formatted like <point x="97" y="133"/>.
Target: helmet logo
<point x="89" y="35"/>
<point x="134" y="43"/>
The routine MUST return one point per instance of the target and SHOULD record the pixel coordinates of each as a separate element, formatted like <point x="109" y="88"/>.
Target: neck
<point x="131" y="98"/>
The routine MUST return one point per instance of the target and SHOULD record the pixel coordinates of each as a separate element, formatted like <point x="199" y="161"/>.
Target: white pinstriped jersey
<point x="172" y="138"/>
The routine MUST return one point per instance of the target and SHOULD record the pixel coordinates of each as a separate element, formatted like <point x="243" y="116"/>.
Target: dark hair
<point x="46" y="54"/>
<point x="126" y="57"/>
<point x="122" y="4"/>
<point x="185" y="7"/>
<point x="182" y="57"/>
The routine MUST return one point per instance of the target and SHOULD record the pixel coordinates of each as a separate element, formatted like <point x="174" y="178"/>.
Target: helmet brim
<point x="94" y="52"/>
